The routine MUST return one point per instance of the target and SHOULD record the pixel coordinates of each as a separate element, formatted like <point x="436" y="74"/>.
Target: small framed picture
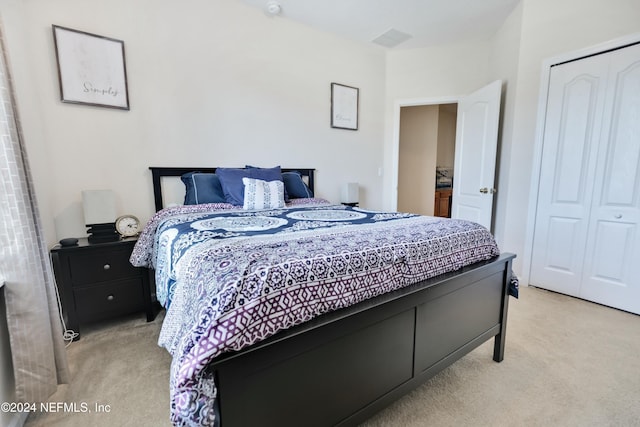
<point x="91" y="69"/>
<point x="344" y="107"/>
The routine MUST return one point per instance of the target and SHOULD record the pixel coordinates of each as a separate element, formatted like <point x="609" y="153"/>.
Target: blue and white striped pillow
<point x="259" y="194"/>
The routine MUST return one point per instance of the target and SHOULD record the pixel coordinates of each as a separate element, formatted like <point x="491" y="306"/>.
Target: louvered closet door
<point x="586" y="240"/>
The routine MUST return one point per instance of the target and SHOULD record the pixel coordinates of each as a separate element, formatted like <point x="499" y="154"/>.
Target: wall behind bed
<point x="211" y="83"/>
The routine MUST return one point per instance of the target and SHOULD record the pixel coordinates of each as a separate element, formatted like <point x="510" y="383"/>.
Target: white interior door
<point x="475" y="155"/>
<point x="586" y="239"/>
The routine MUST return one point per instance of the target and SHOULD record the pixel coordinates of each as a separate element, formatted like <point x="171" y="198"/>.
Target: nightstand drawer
<point x="101" y="265"/>
<point x="110" y="299"/>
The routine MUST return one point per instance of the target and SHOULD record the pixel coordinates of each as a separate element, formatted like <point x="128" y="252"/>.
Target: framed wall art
<point x="91" y="69"/>
<point x="344" y="107"/>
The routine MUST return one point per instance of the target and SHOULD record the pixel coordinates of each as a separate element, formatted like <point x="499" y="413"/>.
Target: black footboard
<point x="344" y="367"/>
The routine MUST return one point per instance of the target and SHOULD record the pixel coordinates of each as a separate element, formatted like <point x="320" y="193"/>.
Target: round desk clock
<point x="128" y="225"/>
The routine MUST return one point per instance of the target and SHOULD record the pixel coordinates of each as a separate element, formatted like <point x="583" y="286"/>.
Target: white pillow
<point x="259" y="194"/>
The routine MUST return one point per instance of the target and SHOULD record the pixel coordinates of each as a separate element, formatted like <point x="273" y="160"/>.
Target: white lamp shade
<point x="350" y="193"/>
<point x="99" y="206"/>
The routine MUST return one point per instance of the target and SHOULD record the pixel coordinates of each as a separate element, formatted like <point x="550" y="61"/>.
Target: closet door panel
<point x="613" y="246"/>
<point x="622" y="175"/>
<point x="567" y="231"/>
<point x="612" y="267"/>
<point x="574" y="143"/>
<point x="572" y="128"/>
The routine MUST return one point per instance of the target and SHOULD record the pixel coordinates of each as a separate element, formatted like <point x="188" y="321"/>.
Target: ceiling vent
<point x="391" y="38"/>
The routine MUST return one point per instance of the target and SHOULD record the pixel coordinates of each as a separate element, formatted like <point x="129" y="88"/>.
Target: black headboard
<point x="159" y="172"/>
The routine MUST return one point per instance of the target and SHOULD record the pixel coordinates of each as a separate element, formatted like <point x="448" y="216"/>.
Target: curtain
<point x="35" y="329"/>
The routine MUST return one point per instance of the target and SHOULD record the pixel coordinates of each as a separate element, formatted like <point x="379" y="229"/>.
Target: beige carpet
<point x="567" y="363"/>
<point x="116" y="363"/>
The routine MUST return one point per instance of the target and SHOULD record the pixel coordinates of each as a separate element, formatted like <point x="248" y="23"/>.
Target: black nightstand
<point x="97" y="282"/>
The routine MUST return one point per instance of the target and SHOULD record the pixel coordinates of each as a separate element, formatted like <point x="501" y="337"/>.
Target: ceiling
<point x="429" y="22"/>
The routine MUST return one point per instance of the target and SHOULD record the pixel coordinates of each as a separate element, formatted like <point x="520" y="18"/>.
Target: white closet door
<point x="572" y="128"/>
<point x="587" y="238"/>
<point x="613" y="255"/>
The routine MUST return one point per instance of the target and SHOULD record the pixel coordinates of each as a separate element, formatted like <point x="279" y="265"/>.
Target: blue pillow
<point x="202" y="188"/>
<point x="231" y="181"/>
<point x="295" y="186"/>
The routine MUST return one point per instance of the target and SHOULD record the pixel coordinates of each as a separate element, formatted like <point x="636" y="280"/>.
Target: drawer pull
<point x="110" y="297"/>
<point x="106" y="266"/>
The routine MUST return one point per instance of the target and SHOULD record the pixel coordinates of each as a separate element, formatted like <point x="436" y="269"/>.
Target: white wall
<point x="448" y="113"/>
<point x="435" y="72"/>
<point x="210" y="84"/>
<point x="504" y="60"/>
<point x="417" y="158"/>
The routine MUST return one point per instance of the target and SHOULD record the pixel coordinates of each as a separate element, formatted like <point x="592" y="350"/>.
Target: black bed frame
<point x="345" y="366"/>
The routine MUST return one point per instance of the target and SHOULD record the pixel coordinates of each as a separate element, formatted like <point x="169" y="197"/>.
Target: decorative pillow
<point x="202" y="188"/>
<point x="259" y="194"/>
<point x="231" y="181"/>
<point x="295" y="187"/>
<point x="268" y="174"/>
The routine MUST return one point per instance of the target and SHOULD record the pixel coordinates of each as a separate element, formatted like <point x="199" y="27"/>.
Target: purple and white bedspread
<point x="231" y="278"/>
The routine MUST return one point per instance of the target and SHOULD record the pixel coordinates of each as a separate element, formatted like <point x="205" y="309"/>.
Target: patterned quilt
<point x="230" y="278"/>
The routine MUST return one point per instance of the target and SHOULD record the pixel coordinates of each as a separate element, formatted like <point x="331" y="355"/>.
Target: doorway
<point x="476" y="138"/>
<point x="426" y="156"/>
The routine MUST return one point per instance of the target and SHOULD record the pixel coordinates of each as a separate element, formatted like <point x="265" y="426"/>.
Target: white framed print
<point x="91" y="69"/>
<point x="344" y="107"/>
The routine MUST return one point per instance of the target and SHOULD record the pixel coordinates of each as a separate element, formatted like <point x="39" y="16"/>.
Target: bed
<point x="261" y="353"/>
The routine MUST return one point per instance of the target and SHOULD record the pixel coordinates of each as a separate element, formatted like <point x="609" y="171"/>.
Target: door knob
<point x="485" y="190"/>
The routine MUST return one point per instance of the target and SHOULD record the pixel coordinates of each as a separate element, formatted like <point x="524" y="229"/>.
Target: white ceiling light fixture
<point x="274" y="8"/>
